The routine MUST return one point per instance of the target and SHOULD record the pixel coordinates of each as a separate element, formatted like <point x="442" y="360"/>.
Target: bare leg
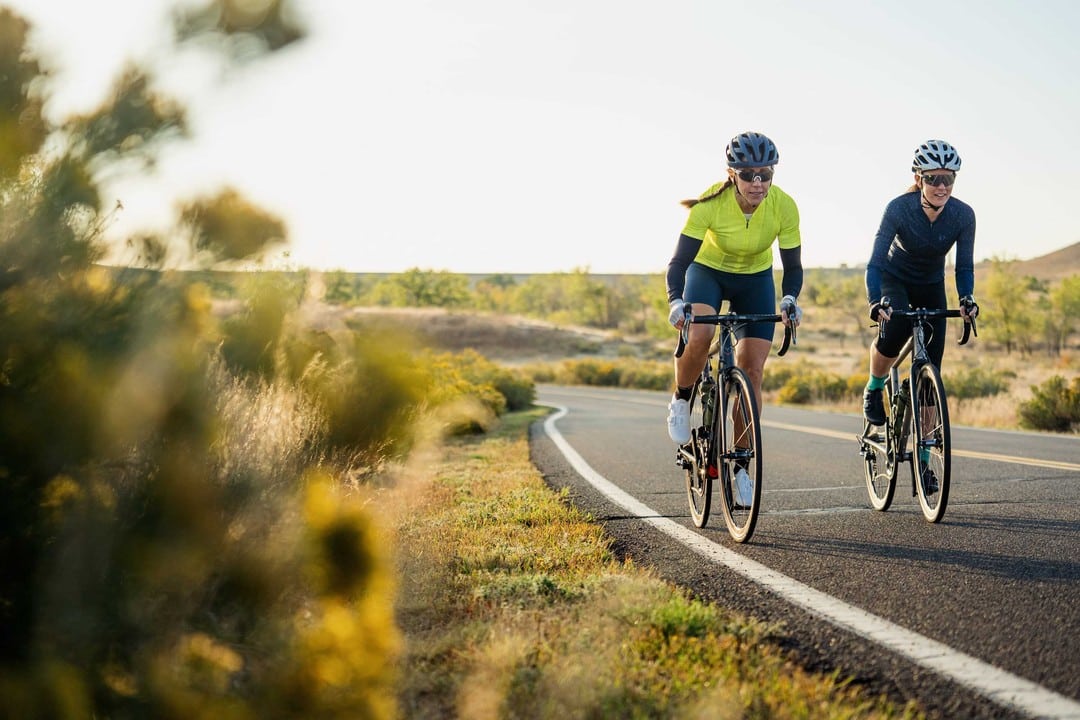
<point x="750" y="355"/>
<point x="879" y="364"/>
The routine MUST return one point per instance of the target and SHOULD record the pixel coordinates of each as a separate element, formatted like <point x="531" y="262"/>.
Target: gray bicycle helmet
<point x="935" y="155"/>
<point x="751" y="149"/>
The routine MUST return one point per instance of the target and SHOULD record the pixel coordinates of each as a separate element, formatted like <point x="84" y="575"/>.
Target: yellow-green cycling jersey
<point x="734" y="243"/>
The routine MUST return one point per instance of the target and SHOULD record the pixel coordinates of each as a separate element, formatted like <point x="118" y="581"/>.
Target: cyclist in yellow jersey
<point x="725" y="252"/>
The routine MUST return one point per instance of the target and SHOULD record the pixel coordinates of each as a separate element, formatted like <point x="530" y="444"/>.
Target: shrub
<point x="975" y="382"/>
<point x="647" y="376"/>
<point x="802" y="383"/>
<point x="541" y="372"/>
<point x="518" y="389"/>
<point x="1054" y="406"/>
<point x="594" y="372"/>
<point x="778" y="374"/>
<point x="622" y="372"/>
<point x="464" y="379"/>
<point x="796" y="390"/>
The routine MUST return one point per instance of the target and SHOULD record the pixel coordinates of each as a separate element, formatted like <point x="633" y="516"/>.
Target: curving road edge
<point x="1002" y="687"/>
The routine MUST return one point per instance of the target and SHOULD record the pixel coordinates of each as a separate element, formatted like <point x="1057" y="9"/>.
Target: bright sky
<point x="482" y="136"/>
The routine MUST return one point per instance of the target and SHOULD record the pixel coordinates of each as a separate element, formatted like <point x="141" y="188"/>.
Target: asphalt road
<point x="977" y="616"/>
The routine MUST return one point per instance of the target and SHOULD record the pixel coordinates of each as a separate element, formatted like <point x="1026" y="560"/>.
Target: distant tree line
<point x="1019" y="313"/>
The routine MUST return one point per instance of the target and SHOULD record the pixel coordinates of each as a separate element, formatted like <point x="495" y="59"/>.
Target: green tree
<point x="642" y="305"/>
<point x="1065" y="313"/>
<point x="1011" y="307"/>
<point x="341" y="288"/>
<point x="846" y="295"/>
<point x="423" y="288"/>
<point x="539" y="296"/>
<point x="588" y="301"/>
<point x="494" y="292"/>
<point x="575" y="298"/>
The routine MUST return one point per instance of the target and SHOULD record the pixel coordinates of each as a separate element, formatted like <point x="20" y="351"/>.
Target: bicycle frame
<point x="725" y="439"/>
<point x="917" y="410"/>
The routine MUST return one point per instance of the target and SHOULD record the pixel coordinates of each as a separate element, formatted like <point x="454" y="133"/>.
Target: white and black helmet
<point x="751" y="149"/>
<point x="935" y="155"/>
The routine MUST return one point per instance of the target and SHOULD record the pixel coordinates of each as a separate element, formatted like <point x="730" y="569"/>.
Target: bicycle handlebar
<point x="728" y="320"/>
<point x="919" y="314"/>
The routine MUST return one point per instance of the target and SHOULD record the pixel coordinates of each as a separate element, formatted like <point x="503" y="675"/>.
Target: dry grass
<point x="826" y="340"/>
<point x="512" y="605"/>
<point x="820" y="347"/>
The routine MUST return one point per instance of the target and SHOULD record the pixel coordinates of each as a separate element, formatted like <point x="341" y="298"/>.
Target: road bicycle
<point x="725" y="430"/>
<point x="926" y="443"/>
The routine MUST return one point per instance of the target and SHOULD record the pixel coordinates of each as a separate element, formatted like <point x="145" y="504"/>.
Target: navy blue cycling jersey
<point x="912" y="249"/>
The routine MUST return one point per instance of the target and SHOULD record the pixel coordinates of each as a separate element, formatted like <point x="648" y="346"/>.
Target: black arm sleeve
<point x="685" y="252"/>
<point x="791" y="259"/>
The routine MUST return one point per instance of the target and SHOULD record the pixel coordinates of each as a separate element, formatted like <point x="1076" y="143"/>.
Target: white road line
<point x="992" y="682"/>
<point x="1052" y="464"/>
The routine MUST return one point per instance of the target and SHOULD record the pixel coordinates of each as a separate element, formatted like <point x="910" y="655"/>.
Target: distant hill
<point x="1051" y="267"/>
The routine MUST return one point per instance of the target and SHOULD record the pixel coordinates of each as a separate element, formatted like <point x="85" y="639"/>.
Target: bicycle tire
<point x="701" y="453"/>
<point x="740" y="449"/>
<point x="879" y="465"/>
<point x="930" y="420"/>
<point x="881" y="457"/>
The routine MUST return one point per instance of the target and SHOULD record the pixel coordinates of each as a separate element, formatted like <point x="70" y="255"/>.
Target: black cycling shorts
<point x="747" y="294"/>
<point x="906" y="297"/>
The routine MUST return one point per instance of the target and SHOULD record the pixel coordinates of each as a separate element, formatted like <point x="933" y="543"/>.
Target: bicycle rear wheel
<point x="699" y="457"/>
<point x="739" y="459"/>
<point x="932" y="448"/>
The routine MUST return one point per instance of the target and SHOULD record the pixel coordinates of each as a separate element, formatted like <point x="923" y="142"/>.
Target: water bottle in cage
<point x="708" y="400"/>
<point x="900" y="404"/>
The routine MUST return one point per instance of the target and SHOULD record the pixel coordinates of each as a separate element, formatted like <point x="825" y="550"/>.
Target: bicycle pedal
<point x="713" y="472"/>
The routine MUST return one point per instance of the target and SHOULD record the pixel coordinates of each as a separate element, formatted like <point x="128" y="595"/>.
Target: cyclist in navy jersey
<point x="907" y="264"/>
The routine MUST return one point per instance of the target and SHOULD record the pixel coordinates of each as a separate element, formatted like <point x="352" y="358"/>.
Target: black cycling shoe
<point x="929" y="480"/>
<point x="873" y="407"/>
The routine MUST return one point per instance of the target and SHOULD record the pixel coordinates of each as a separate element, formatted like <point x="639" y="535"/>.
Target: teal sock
<point x="924" y="455"/>
<point x="876" y="383"/>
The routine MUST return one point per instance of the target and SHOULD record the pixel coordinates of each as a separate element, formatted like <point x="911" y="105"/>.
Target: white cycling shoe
<point x="744" y="488"/>
<point x="678" y="421"/>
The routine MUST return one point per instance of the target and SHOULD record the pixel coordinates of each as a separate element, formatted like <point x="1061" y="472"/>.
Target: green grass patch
<point x="513" y="605"/>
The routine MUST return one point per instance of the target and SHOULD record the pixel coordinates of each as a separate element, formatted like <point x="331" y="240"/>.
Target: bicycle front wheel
<point x="739" y="458"/>
<point x="699" y="456"/>
<point x="932" y="447"/>
<point x="879" y="465"/>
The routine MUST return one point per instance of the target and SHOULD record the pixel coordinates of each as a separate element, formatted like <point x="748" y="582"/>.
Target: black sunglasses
<point x="755" y="175"/>
<point x="935" y="180"/>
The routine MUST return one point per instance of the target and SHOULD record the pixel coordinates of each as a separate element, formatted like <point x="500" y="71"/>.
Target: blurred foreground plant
<point x="176" y="539"/>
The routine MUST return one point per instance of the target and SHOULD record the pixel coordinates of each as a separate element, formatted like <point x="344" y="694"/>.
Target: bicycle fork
<point x="900" y="409"/>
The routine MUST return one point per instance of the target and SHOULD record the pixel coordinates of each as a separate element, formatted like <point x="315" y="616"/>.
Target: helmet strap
<point x="926" y="203"/>
<point x="929" y="205"/>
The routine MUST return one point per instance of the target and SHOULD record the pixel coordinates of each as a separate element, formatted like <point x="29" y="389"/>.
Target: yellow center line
<point x="1054" y="464"/>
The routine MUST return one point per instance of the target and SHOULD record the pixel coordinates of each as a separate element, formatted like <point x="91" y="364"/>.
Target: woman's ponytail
<point x="709" y="194"/>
